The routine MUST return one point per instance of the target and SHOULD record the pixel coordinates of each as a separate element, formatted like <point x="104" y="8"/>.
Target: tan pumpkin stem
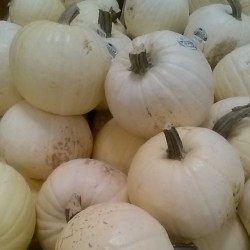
<point x="69" y="14"/>
<point x="105" y="22"/>
<point x="226" y="123"/>
<point x="182" y="246"/>
<point x="73" y="207"/>
<point x="175" y="147"/>
<point x="236" y="8"/>
<point x="139" y="60"/>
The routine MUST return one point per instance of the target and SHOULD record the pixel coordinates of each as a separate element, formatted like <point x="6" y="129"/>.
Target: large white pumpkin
<point x="192" y="186"/>
<point x="17" y="210"/>
<point x="171" y="83"/>
<point x="36" y="142"/>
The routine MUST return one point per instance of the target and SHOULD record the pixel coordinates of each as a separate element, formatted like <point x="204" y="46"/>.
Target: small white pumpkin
<point x="75" y="185"/>
<point x="192" y="183"/>
<point x="218" y="29"/>
<point x="17" y="210"/>
<point x="238" y="134"/>
<point x="113" y="226"/>
<point x="8" y="93"/>
<point x="36" y="142"/>
<point x="23" y="12"/>
<point x="196" y="4"/>
<point x="59" y="68"/>
<point x="144" y="16"/>
<point x="116" y="146"/>
<point x="231" y="74"/>
<point x="157" y="78"/>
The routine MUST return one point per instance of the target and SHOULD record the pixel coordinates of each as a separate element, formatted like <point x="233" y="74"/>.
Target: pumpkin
<point x="218" y="29"/>
<point x="192" y="183"/>
<point x="35" y="142"/>
<point x="235" y="129"/>
<point x="116" y="146"/>
<point x="243" y="209"/>
<point x="144" y="16"/>
<point x="157" y="78"/>
<point x="231" y="74"/>
<point x="196" y="4"/>
<point x="112" y="226"/>
<point x="9" y="94"/>
<point x="23" y="12"/>
<point x="231" y="236"/>
<point x="72" y="187"/>
<point x="17" y="210"/>
<point x="59" y="68"/>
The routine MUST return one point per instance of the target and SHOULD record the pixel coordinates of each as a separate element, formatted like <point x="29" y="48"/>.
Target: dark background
<point x="3" y="9"/>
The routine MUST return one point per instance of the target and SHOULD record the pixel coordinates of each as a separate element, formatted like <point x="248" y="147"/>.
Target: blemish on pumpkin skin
<point x="220" y="50"/>
<point x="87" y="47"/>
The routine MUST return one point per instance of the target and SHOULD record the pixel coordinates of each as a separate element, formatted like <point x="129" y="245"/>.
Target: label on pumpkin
<point x="200" y="35"/>
<point x="112" y="50"/>
<point x="185" y="42"/>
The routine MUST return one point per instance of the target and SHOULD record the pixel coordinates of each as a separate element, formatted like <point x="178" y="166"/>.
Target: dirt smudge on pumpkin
<point x="87" y="46"/>
<point x="220" y="50"/>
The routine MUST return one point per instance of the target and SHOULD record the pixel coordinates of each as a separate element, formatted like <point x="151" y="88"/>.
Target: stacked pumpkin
<point x="125" y="129"/>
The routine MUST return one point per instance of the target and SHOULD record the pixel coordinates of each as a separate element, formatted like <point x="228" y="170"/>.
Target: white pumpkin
<point x="218" y="29"/>
<point x="243" y="209"/>
<point x="192" y="183"/>
<point x="196" y="4"/>
<point x="238" y="134"/>
<point x="116" y="146"/>
<point x="8" y="93"/>
<point x="23" y="12"/>
<point x="144" y="16"/>
<point x="171" y="83"/>
<point x="17" y="210"/>
<point x="88" y="182"/>
<point x="231" y="74"/>
<point x="231" y="236"/>
<point x="36" y="142"/>
<point x="113" y="226"/>
<point x="59" y="68"/>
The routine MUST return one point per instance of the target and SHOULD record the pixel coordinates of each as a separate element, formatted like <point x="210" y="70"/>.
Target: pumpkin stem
<point x="139" y="60"/>
<point x="105" y="22"/>
<point x="69" y="14"/>
<point x="175" y="147"/>
<point x="225" y="124"/>
<point x="114" y="15"/>
<point x="236" y="8"/>
<point x="182" y="246"/>
<point x="73" y="207"/>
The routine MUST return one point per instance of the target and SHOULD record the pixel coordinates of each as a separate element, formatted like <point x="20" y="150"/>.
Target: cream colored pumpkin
<point x="192" y="190"/>
<point x="113" y="226"/>
<point x="17" y="210"/>
<point x="8" y="93"/>
<point x="116" y="146"/>
<point x="239" y="136"/>
<point x="243" y="210"/>
<point x="172" y="83"/>
<point x="23" y="12"/>
<point x="217" y="30"/>
<point x="196" y="4"/>
<point x="90" y="181"/>
<point x="231" y="236"/>
<point x="144" y="16"/>
<point x="36" y="142"/>
<point x="59" y="68"/>
<point x="231" y="74"/>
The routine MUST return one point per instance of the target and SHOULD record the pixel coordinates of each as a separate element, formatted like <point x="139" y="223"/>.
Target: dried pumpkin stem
<point x="105" y="22"/>
<point x="139" y="60"/>
<point x="188" y="246"/>
<point x="226" y="123"/>
<point x="69" y="14"/>
<point x="114" y="15"/>
<point x="236" y="8"/>
<point x="175" y="147"/>
<point x="73" y="207"/>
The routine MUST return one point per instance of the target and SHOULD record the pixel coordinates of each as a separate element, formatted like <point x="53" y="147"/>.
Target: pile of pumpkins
<point x="125" y="125"/>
